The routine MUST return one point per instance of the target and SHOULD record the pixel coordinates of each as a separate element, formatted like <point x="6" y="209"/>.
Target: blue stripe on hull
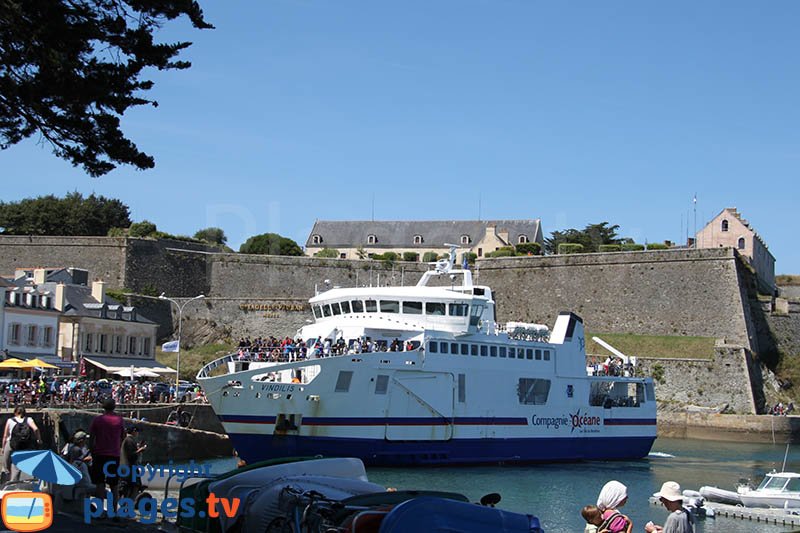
<point x="460" y="451"/>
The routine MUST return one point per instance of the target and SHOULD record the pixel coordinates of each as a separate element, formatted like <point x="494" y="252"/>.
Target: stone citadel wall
<point x="674" y="292"/>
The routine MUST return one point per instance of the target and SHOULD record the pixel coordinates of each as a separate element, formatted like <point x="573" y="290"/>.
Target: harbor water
<point x="557" y="492"/>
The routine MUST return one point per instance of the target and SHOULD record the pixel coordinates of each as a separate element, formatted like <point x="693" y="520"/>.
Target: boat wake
<point x="659" y="454"/>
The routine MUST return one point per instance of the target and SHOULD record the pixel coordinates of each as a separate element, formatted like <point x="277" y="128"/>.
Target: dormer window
<point x="316" y="239"/>
<point x="724" y="225"/>
<point x="417" y="239"/>
<point x="740" y="244"/>
<point x="371" y="239"/>
<point x="522" y="239"/>
<point x="465" y="239"/>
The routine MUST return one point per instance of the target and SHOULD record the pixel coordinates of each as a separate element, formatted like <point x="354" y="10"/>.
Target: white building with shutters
<point x="29" y="322"/>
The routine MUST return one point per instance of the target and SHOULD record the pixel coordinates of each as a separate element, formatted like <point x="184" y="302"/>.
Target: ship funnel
<point x="568" y="326"/>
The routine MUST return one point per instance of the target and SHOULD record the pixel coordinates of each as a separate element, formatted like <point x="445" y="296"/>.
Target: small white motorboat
<point x="718" y="495"/>
<point x="779" y="490"/>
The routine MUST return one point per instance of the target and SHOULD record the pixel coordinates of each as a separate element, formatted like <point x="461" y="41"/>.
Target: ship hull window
<point x="433" y="347"/>
<point x="443" y="347"/>
<point x="465" y="349"/>
<point x="412" y="308"/>
<point x="538" y="355"/>
<point x="474" y="349"/>
<point x="492" y="351"/>
<point x="529" y="353"/>
<point x="343" y="381"/>
<point x="458" y="309"/>
<point x="381" y="384"/>
<point x="532" y="391"/>
<point x="546" y="355"/>
<point x="502" y="351"/>
<point x="454" y="348"/>
<point x="512" y="353"/>
<point x="434" y="308"/>
<point x="357" y="305"/>
<point x="483" y="350"/>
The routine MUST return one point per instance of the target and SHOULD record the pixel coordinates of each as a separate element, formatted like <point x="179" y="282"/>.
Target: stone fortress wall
<point x="702" y="292"/>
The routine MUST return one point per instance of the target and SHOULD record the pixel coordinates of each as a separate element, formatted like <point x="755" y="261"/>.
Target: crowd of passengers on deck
<point x="288" y="349"/>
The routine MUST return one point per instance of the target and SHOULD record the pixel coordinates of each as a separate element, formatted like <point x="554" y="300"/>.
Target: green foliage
<point x="71" y="215"/>
<point x="270" y="244"/>
<point x="786" y="280"/>
<point x="429" y="257"/>
<point x="505" y="251"/>
<point x="632" y="247"/>
<point x="410" y="256"/>
<point x="657" y="246"/>
<point x="570" y="248"/>
<point x="361" y="253"/>
<point x="145" y="228"/>
<point x="609" y="248"/>
<point x="528" y="248"/>
<point x="658" y="373"/>
<point x="471" y="257"/>
<point x="327" y="252"/>
<point x="386" y="256"/>
<point x="212" y="236"/>
<point x="70" y="69"/>
<point x="592" y="236"/>
<point x="117" y="232"/>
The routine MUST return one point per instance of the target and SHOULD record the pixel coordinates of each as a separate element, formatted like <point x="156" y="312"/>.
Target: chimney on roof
<point x="60" y="299"/>
<point x="99" y="291"/>
<point x="39" y="276"/>
<point x="503" y="234"/>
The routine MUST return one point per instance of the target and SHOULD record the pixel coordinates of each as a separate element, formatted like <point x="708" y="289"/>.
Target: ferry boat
<point x="444" y="384"/>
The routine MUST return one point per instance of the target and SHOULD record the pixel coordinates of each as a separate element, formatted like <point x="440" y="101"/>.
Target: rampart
<point x="703" y="292"/>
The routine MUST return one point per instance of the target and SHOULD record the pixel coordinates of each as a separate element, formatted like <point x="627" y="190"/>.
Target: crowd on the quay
<point x="606" y="517"/>
<point x="289" y="349"/>
<point x="781" y="409"/>
<point x="44" y="391"/>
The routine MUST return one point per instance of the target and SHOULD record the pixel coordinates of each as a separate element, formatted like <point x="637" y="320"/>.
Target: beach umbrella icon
<point x="46" y="465"/>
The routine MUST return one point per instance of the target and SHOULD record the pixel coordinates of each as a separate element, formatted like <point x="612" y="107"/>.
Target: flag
<point x="464" y="262"/>
<point x="82" y="368"/>
<point x="171" y="346"/>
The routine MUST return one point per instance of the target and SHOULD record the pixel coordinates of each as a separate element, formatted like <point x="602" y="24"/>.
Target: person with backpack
<point x="613" y="496"/>
<point x="20" y="433"/>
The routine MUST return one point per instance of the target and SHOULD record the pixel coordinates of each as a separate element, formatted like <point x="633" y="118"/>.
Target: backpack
<point x="618" y="519"/>
<point x="21" y="436"/>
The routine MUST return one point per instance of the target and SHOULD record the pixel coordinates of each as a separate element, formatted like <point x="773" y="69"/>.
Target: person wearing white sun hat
<point x="679" y="520"/>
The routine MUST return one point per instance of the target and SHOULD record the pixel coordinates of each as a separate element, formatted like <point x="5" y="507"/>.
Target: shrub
<point x="529" y="248"/>
<point x="657" y="246"/>
<point x="632" y="247"/>
<point x="429" y="257"/>
<point x="505" y="251"/>
<point x="327" y="252"/>
<point x="117" y="232"/>
<point x="609" y="248"/>
<point x="390" y="256"/>
<point x="570" y="248"/>
<point x="658" y="373"/>
<point x="145" y="228"/>
<point x="411" y="256"/>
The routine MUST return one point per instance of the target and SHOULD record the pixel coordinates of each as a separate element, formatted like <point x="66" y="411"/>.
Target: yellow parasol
<point x="38" y="363"/>
<point x="14" y="363"/>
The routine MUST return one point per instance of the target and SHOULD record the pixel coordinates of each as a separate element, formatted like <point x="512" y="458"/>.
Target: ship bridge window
<point x="317" y="311"/>
<point x="433" y="347"/>
<point x="475" y="315"/>
<point x="390" y="306"/>
<point x="412" y="308"/>
<point x="454" y="348"/>
<point x="343" y="381"/>
<point x="474" y="349"/>
<point x="538" y="355"/>
<point x="465" y="349"/>
<point x="381" y="384"/>
<point x="458" y="309"/>
<point x="346" y="307"/>
<point x="483" y="350"/>
<point x="502" y="351"/>
<point x="434" y="308"/>
<point x="610" y="394"/>
<point x="512" y="353"/>
<point x="546" y="355"/>
<point x="529" y="353"/>
<point x="358" y="306"/>
<point x="492" y="351"/>
<point x="533" y="391"/>
<point x="371" y="306"/>
<point x="326" y="310"/>
<point x="336" y="309"/>
<point x="443" y="347"/>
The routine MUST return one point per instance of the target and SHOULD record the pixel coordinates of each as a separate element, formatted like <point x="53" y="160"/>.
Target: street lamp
<point x="180" y="307"/>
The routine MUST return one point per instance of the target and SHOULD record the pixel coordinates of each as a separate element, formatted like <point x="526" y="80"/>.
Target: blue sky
<point x="572" y="112"/>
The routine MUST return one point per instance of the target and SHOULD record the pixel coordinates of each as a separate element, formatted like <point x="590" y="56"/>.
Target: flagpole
<point x="180" y="329"/>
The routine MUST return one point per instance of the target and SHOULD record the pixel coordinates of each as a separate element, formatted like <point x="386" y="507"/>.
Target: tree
<point x="212" y="235"/>
<point x="271" y="244"/>
<point x="71" y="215"/>
<point x="590" y="237"/>
<point x="70" y="69"/>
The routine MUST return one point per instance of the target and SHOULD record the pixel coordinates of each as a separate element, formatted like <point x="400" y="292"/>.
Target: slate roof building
<point x="28" y="322"/>
<point x="728" y="228"/>
<point x="108" y="335"/>
<point x="355" y="238"/>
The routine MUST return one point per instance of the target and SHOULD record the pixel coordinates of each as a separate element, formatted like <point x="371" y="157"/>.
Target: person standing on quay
<point x="613" y="496"/>
<point x="106" y="433"/>
<point x="679" y="520"/>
